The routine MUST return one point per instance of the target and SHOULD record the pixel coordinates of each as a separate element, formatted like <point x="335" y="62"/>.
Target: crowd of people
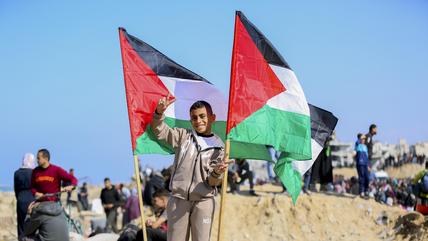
<point x="182" y="196"/>
<point x="407" y="193"/>
<point x="389" y="191"/>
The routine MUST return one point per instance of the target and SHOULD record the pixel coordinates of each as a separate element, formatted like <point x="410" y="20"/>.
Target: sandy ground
<point x="408" y="170"/>
<point x="272" y="216"/>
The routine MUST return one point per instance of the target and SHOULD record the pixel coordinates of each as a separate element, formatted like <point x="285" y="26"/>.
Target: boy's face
<point x="201" y="120"/>
<point x="160" y="202"/>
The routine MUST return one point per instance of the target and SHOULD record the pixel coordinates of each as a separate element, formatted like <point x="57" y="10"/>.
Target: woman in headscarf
<point x="22" y="187"/>
<point x="132" y="206"/>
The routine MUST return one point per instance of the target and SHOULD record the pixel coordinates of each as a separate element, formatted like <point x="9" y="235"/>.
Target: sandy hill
<point x="272" y="216"/>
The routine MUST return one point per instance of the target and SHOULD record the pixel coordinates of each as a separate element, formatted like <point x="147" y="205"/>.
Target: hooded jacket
<point x="193" y="176"/>
<point x="48" y="219"/>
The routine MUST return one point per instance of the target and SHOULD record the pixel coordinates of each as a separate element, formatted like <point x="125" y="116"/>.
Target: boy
<point x="198" y="168"/>
<point x="157" y="230"/>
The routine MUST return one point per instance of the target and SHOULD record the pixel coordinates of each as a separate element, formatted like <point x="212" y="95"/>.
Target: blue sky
<point x="62" y="82"/>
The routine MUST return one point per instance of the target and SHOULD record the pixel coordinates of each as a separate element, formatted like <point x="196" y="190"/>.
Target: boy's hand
<point x="163" y="104"/>
<point x="31" y="206"/>
<point x="38" y="195"/>
<point x="149" y="222"/>
<point x="221" y="167"/>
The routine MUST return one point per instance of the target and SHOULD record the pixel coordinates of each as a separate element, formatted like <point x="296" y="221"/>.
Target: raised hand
<point x="163" y="104"/>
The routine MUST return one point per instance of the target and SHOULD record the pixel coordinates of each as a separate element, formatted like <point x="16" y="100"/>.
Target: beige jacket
<point x="192" y="175"/>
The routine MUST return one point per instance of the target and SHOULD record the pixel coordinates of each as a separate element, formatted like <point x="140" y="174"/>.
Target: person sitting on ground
<point x="132" y="206"/>
<point x="166" y="173"/>
<point x="157" y="229"/>
<point x="45" y="214"/>
<point x="124" y="194"/>
<point x="154" y="183"/>
<point x="420" y="185"/>
<point x="242" y="172"/>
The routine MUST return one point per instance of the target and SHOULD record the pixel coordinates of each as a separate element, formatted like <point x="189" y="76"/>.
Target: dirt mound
<point x="272" y="216"/>
<point x="412" y="226"/>
<point x="315" y="217"/>
<point x="7" y="216"/>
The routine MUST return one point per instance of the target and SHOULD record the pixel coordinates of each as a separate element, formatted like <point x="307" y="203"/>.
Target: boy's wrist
<point x="215" y="174"/>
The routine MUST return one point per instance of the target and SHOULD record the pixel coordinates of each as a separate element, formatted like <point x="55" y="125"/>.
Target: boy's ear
<point x="213" y="117"/>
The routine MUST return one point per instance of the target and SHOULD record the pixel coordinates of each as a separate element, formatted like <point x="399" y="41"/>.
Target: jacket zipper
<point x="195" y="162"/>
<point x="193" y="175"/>
<point x="194" y="168"/>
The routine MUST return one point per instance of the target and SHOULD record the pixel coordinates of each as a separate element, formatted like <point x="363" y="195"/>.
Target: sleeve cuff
<point x="158" y="116"/>
<point x="215" y="175"/>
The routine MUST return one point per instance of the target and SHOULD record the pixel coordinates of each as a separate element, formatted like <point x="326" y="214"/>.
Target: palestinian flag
<point x="267" y="106"/>
<point x="290" y="171"/>
<point x="150" y="75"/>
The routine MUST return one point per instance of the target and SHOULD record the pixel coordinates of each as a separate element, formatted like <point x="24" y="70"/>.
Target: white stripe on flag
<point x="303" y="166"/>
<point x="189" y="91"/>
<point x="293" y="99"/>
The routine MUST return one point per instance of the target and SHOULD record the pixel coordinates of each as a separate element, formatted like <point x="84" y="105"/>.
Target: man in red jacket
<point x="46" y="178"/>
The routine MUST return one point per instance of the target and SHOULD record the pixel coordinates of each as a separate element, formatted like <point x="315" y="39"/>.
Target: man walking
<point x="111" y="201"/>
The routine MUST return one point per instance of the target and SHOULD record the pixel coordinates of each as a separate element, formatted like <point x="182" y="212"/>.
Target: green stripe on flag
<point x="148" y="144"/>
<point x="287" y="132"/>
<point x="249" y="151"/>
<point x="291" y="178"/>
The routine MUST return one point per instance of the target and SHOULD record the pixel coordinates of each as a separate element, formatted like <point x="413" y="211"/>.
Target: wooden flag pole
<point x="136" y="164"/>
<point x="223" y="194"/>
<point x="140" y="195"/>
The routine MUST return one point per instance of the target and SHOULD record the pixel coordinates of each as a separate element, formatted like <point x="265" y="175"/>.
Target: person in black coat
<point x="22" y="187"/>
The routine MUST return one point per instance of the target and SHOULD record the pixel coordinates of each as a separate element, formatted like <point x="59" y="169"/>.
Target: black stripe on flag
<point x="158" y="62"/>
<point x="322" y="124"/>
<point x="268" y="51"/>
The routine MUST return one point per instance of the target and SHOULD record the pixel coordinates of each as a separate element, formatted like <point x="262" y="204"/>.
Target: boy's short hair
<point x="372" y="126"/>
<point x="106" y="179"/>
<point x="161" y="193"/>
<point x="201" y="104"/>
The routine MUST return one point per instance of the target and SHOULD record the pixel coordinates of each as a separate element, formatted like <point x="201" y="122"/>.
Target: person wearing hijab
<point x="22" y="187"/>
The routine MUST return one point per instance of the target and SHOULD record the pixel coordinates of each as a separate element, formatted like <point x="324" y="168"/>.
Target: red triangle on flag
<point x="143" y="89"/>
<point x="253" y="82"/>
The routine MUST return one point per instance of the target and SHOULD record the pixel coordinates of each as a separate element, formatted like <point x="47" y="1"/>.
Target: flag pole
<point x="140" y="196"/>
<point x="223" y="194"/>
<point x="136" y="164"/>
<point x="227" y="147"/>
